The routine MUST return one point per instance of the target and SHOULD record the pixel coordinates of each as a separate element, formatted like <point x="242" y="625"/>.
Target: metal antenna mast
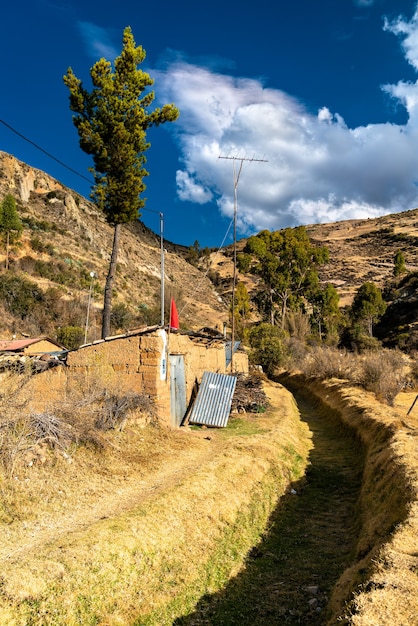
<point x="237" y="175"/>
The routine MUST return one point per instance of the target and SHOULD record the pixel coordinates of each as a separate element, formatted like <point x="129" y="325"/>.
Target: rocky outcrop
<point x="22" y="180"/>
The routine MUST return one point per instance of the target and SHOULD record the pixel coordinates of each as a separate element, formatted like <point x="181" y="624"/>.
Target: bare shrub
<point x="48" y="428"/>
<point x="384" y="373"/>
<point x="116" y="408"/>
<point x="296" y="350"/>
<point x="14" y="423"/>
<point x="79" y="419"/>
<point x="92" y="408"/>
<point x="327" y="362"/>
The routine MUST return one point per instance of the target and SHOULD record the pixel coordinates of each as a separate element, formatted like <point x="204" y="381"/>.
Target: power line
<point x="48" y="154"/>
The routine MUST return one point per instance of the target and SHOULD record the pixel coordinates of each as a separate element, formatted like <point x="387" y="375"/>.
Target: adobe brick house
<point x="165" y="366"/>
<point x="35" y="346"/>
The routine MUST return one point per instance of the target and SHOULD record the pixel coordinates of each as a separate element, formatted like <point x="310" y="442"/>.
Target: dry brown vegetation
<point x="384" y="372"/>
<point x="133" y="526"/>
<point x="119" y="537"/>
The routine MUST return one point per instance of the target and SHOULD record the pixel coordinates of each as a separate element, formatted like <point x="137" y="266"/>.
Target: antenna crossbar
<point x="241" y="161"/>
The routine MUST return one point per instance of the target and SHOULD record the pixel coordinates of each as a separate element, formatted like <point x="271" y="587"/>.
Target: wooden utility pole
<point x="237" y="174"/>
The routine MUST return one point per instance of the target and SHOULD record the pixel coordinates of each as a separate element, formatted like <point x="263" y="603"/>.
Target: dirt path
<point x="114" y="497"/>
<point x="289" y="576"/>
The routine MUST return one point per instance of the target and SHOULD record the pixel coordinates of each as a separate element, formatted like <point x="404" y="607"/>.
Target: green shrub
<point x="267" y="347"/>
<point x="121" y="317"/>
<point x="72" y="337"/>
<point x="19" y="295"/>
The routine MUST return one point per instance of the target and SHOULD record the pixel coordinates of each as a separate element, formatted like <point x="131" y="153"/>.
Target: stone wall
<point x="136" y="363"/>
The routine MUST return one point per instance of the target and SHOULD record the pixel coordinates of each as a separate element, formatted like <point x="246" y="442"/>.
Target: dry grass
<point x="138" y="533"/>
<point x="384" y="579"/>
<point x="384" y="372"/>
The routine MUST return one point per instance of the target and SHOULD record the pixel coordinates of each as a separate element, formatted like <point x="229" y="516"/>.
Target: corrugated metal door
<point x="213" y="403"/>
<point x="178" y="404"/>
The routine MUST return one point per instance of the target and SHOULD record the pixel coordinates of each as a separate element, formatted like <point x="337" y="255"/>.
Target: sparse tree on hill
<point x="368" y="306"/>
<point x="326" y="313"/>
<point x="112" y="120"/>
<point x="399" y="266"/>
<point x="241" y="309"/>
<point x="10" y="224"/>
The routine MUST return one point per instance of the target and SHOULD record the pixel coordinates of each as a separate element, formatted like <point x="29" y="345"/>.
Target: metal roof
<point x="15" y="345"/>
<point x="213" y="401"/>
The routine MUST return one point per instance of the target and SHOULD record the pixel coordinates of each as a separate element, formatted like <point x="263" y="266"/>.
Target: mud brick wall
<point x="41" y="346"/>
<point x="136" y="363"/>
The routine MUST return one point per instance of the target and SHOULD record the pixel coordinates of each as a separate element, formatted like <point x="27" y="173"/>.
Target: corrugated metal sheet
<point x="213" y="401"/>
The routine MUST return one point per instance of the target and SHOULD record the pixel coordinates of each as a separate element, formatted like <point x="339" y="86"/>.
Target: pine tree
<point x="112" y="120"/>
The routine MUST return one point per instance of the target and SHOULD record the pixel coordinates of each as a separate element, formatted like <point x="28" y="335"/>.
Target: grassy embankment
<point x="190" y="507"/>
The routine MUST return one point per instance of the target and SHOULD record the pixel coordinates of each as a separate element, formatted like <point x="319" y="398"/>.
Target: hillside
<point x="360" y="251"/>
<point x="65" y="238"/>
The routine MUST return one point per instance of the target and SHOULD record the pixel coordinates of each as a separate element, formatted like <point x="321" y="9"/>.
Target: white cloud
<point x="189" y="189"/>
<point x="316" y="170"/>
<point x="97" y="41"/>
<point x="409" y="32"/>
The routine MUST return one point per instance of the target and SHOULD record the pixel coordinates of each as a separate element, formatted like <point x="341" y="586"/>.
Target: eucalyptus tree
<point x="326" y="311"/>
<point x="287" y="263"/>
<point x="368" y="306"/>
<point x="112" y="121"/>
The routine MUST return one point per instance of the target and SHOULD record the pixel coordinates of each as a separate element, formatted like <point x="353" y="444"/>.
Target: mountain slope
<point x="65" y="238"/>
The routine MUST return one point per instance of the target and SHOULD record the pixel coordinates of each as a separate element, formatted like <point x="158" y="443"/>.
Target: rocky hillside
<point x="360" y="251"/>
<point x="65" y="238"/>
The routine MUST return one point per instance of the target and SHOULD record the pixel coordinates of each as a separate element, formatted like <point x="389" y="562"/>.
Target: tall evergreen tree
<point x="10" y="224"/>
<point x="112" y="120"/>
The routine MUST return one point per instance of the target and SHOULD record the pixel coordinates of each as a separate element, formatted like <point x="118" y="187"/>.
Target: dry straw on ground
<point x="138" y="530"/>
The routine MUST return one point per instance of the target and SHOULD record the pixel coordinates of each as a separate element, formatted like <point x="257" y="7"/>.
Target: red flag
<point x="174" y="316"/>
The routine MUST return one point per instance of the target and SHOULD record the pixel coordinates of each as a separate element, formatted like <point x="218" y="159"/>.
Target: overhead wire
<point x="207" y="270"/>
<point x="48" y="154"/>
<point x="51" y="156"/>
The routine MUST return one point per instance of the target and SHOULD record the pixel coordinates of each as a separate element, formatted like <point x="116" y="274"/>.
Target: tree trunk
<point x="107" y="303"/>
<point x="284" y="310"/>
<point x="7" y="249"/>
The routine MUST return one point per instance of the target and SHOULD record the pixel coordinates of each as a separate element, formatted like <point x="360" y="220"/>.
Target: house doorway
<point x="178" y="404"/>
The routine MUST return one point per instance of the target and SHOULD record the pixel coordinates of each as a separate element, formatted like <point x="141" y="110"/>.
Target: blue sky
<point x="324" y="94"/>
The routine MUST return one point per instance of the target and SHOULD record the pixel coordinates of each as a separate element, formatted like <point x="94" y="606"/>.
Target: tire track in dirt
<point x="311" y="539"/>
